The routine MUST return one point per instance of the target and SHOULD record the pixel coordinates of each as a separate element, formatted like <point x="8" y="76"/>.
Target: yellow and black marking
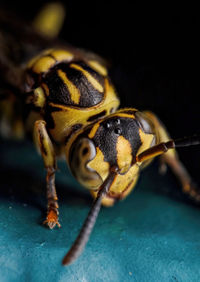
<point x="71" y="91"/>
<point x="75" y="84"/>
<point x="63" y="120"/>
<point x="66" y="98"/>
<point x="117" y="139"/>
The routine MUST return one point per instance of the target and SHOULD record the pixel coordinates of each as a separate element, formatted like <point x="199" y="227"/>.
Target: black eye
<point x="118" y="121"/>
<point x="117" y="131"/>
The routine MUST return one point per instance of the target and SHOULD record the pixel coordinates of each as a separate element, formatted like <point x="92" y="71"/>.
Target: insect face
<point x="111" y="142"/>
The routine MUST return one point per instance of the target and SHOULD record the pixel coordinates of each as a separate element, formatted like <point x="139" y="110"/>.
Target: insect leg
<point x="47" y="151"/>
<point x="171" y="157"/>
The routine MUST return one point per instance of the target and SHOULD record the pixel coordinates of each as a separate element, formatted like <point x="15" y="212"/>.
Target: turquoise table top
<point x="147" y="237"/>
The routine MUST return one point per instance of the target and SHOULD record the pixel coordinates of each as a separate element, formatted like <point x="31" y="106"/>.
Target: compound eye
<point x="143" y="122"/>
<point x="82" y="152"/>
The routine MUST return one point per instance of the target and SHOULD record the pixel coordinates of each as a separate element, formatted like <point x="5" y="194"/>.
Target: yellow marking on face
<point x="93" y="130"/>
<point x="98" y="67"/>
<point x="146" y="140"/>
<point x="74" y="92"/>
<point x="62" y="55"/>
<point x="124" y="154"/>
<point x="121" y="187"/>
<point x="129" y="188"/>
<point x="107" y="202"/>
<point x="99" y="165"/>
<point x="43" y="64"/>
<point x="122" y="181"/>
<point x="90" y="78"/>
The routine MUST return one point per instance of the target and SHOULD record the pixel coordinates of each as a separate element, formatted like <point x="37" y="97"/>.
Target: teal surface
<point x="147" y="237"/>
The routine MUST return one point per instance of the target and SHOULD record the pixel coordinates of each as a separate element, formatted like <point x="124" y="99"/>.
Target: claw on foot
<point x="52" y="219"/>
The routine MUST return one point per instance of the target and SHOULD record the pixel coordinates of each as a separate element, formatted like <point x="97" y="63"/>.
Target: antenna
<point x="84" y="234"/>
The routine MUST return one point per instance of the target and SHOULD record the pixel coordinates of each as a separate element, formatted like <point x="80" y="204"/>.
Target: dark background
<point x="153" y="52"/>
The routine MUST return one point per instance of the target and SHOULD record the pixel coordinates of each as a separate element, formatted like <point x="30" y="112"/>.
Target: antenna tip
<point x="70" y="257"/>
<point x="66" y="260"/>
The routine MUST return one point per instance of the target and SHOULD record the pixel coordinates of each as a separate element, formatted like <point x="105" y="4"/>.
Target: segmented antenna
<point x="89" y="223"/>
<point x="163" y="147"/>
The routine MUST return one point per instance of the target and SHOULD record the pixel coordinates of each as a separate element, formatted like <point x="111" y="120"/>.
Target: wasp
<point x="64" y="99"/>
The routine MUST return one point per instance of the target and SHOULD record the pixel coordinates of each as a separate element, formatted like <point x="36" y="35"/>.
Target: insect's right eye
<point x="82" y="152"/>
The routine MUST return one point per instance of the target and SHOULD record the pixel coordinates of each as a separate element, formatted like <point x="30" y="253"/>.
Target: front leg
<point x="46" y="149"/>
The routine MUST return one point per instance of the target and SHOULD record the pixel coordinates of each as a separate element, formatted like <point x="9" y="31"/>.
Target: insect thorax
<point x="71" y="91"/>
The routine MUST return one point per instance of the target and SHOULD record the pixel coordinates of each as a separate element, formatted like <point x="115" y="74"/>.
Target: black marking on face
<point x="108" y="133"/>
<point x="59" y="92"/>
<point x="97" y="116"/>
